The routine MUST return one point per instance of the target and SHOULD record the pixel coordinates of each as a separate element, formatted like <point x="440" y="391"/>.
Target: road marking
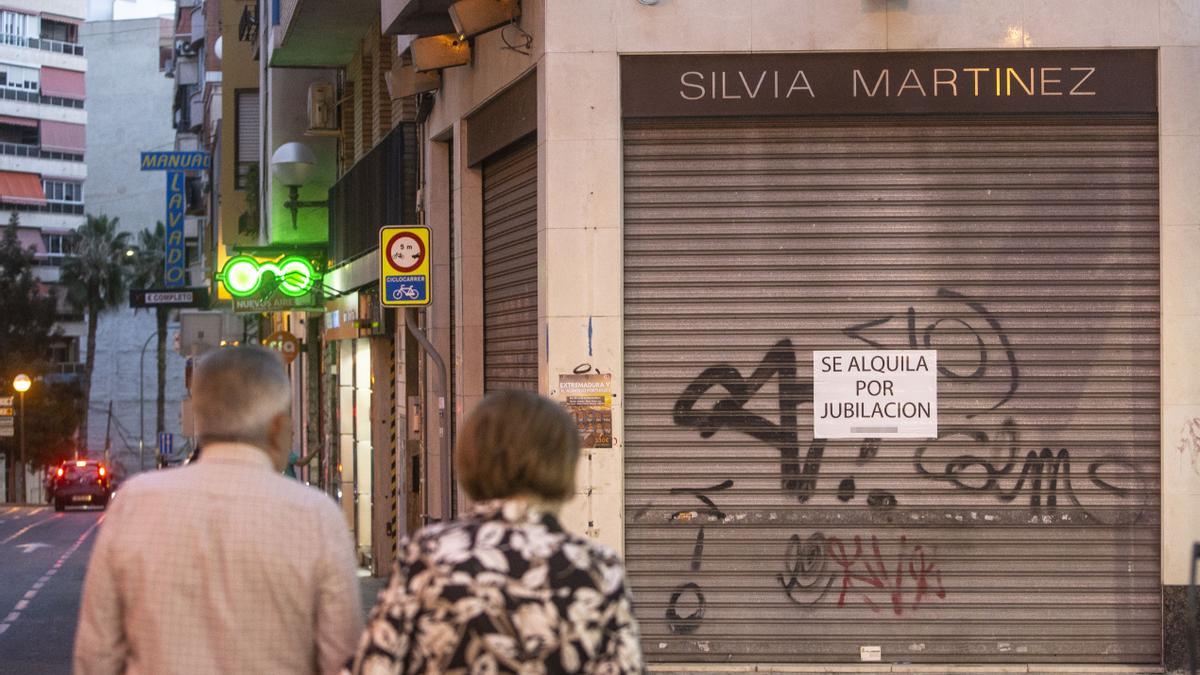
<point x="12" y="510"/>
<point x="32" y="547"/>
<point x="37" y="511"/>
<point x="27" y="528"/>
<point x="32" y="593"/>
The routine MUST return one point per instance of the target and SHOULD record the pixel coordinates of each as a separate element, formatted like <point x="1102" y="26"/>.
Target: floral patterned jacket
<point x="503" y="590"/>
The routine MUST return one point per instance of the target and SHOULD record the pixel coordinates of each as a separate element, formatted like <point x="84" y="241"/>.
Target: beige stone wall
<point x="239" y="70"/>
<point x="577" y="43"/>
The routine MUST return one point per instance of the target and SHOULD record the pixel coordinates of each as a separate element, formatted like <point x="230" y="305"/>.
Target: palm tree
<point x="96" y="277"/>
<point x="149" y="271"/>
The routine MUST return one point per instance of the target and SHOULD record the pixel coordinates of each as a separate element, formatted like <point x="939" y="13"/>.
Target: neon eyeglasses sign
<point x="243" y="276"/>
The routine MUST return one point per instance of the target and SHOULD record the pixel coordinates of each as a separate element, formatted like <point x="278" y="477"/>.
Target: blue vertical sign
<point x="176" y="203"/>
<point x="175" y="164"/>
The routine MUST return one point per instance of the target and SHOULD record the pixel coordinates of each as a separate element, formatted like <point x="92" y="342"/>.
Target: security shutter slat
<point x="1025" y="250"/>
<point x="247" y="126"/>
<point x="510" y="269"/>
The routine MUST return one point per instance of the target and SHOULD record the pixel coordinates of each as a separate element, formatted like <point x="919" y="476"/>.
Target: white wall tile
<point x="954" y="24"/>
<point x="1179" y="176"/>
<point x="580" y="97"/>
<point x="1179" y="90"/>
<point x="1180" y="360"/>
<point x="582" y="181"/>
<point x="580" y="26"/>
<point x="683" y="26"/>
<point x="1180" y="489"/>
<point x="1090" y="23"/>
<point x="1180" y="22"/>
<point x="1180" y="275"/>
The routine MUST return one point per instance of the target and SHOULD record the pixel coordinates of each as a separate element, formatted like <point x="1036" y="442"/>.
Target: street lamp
<point x="21" y="383"/>
<point x="293" y="164"/>
<point x="142" y="402"/>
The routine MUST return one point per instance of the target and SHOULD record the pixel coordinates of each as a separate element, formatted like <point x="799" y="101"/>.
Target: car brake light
<point x="81" y="463"/>
<point x="60" y="472"/>
<point x="102" y="472"/>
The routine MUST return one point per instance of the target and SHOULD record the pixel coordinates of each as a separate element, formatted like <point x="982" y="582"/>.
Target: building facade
<point x="43" y="138"/>
<point x="666" y="215"/>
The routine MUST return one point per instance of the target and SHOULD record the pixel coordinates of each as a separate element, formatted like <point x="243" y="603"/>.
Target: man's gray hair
<point x="236" y="392"/>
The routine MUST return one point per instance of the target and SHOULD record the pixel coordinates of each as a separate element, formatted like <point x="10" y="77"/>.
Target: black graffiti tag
<point x="691" y="623"/>
<point x="804" y="567"/>
<point x="926" y="339"/>
<point x="1044" y="476"/>
<point x="730" y="413"/>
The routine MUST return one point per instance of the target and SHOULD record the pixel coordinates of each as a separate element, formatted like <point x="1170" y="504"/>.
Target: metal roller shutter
<point x="510" y="275"/>
<point x="1024" y="250"/>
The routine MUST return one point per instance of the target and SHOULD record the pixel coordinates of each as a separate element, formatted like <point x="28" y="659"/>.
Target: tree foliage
<point x="96" y="278"/>
<point x="27" y="322"/>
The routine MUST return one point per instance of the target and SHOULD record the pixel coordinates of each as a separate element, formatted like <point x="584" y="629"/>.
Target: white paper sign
<point x="870" y="653"/>
<point x="888" y="393"/>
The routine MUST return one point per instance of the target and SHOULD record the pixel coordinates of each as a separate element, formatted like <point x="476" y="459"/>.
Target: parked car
<point x="82" y="483"/>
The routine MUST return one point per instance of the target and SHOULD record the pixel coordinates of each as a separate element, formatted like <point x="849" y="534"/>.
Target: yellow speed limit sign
<point x="404" y="276"/>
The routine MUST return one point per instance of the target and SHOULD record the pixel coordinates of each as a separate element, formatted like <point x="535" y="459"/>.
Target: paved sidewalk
<point x="369" y="587"/>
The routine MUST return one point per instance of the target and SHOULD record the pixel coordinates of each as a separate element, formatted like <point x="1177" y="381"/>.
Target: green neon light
<point x="243" y="276"/>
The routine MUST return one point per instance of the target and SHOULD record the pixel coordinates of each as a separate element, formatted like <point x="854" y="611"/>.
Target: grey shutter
<point x="247" y="126"/>
<point x="510" y="279"/>
<point x="1025" y="250"/>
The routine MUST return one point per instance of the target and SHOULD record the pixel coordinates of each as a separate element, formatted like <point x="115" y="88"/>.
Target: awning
<point x="64" y="83"/>
<point x="21" y="188"/>
<point x="63" y="137"/>
<point x="62" y="19"/>
<point x="18" y="121"/>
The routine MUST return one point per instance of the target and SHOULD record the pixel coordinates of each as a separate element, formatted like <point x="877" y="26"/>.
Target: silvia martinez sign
<point x="702" y="85"/>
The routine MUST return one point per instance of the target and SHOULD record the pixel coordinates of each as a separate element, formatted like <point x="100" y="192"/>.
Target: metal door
<point x="1025" y="251"/>
<point x="510" y="254"/>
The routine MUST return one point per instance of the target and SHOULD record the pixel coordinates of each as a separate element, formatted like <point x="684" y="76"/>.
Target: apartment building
<point x="43" y="136"/>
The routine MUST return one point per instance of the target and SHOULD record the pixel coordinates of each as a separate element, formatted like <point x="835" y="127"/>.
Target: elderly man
<point x="225" y="565"/>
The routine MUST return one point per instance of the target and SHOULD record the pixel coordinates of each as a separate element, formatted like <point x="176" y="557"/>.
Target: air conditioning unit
<point x="321" y="112"/>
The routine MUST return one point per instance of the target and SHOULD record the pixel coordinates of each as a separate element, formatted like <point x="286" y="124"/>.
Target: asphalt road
<point x="43" y="557"/>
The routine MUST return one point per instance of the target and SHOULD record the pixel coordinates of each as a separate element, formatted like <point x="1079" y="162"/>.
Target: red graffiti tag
<point x="872" y="574"/>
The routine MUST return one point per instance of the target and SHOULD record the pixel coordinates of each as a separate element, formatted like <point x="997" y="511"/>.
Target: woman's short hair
<point x="518" y="443"/>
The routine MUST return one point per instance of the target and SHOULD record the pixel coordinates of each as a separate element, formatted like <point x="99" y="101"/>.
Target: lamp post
<point x="142" y="402"/>
<point x="21" y="383"/>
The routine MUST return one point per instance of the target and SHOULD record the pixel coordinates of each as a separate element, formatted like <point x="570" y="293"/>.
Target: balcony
<point x="35" y="152"/>
<point x="38" y="97"/>
<point x="416" y="17"/>
<point x="322" y="34"/>
<point x="44" y="44"/>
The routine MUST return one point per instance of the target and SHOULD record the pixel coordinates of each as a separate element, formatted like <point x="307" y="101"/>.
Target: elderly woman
<point x="505" y="588"/>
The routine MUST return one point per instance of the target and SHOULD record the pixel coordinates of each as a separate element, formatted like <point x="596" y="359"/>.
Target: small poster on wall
<point x="589" y="399"/>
